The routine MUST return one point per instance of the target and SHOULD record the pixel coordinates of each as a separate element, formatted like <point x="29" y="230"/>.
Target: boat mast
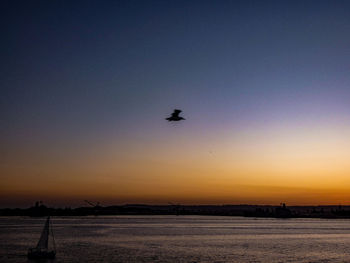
<point x="44" y="238"/>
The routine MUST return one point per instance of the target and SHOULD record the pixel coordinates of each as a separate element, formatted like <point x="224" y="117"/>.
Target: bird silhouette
<point x="175" y="116"/>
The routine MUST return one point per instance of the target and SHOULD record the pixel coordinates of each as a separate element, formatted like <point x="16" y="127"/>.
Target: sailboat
<point x="42" y="248"/>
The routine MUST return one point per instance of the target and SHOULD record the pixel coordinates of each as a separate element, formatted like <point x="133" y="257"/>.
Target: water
<point x="180" y="239"/>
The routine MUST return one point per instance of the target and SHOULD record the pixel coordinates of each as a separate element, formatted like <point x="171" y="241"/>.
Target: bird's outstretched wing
<point x="176" y="113"/>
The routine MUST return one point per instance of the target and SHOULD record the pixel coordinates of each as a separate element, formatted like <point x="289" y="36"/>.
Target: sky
<point x="86" y="87"/>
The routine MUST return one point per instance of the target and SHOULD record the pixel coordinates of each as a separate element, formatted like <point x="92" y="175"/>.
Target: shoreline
<point x="258" y="211"/>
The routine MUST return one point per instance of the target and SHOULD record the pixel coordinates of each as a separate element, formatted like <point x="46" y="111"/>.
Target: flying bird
<point x="175" y="116"/>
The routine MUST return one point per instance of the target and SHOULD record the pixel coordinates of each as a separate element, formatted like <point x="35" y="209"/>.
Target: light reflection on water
<point x="180" y="239"/>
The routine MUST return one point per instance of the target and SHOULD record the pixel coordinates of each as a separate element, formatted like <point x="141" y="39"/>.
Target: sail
<point x="44" y="239"/>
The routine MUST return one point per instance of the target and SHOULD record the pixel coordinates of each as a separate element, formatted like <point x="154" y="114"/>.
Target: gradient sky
<point x="264" y="87"/>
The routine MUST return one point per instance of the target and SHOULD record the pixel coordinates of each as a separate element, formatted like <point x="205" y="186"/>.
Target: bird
<point x="175" y="116"/>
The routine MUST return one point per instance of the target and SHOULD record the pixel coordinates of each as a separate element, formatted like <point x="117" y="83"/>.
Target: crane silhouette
<point x="96" y="205"/>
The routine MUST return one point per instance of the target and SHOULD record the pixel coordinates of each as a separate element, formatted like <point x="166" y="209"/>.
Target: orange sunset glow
<point x="303" y="165"/>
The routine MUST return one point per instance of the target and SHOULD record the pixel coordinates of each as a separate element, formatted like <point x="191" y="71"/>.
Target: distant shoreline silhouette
<point x="282" y="211"/>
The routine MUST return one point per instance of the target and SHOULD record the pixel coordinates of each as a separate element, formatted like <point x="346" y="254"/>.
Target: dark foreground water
<point x="180" y="239"/>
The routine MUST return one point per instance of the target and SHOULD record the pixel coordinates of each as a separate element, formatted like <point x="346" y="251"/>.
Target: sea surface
<point x="180" y="239"/>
